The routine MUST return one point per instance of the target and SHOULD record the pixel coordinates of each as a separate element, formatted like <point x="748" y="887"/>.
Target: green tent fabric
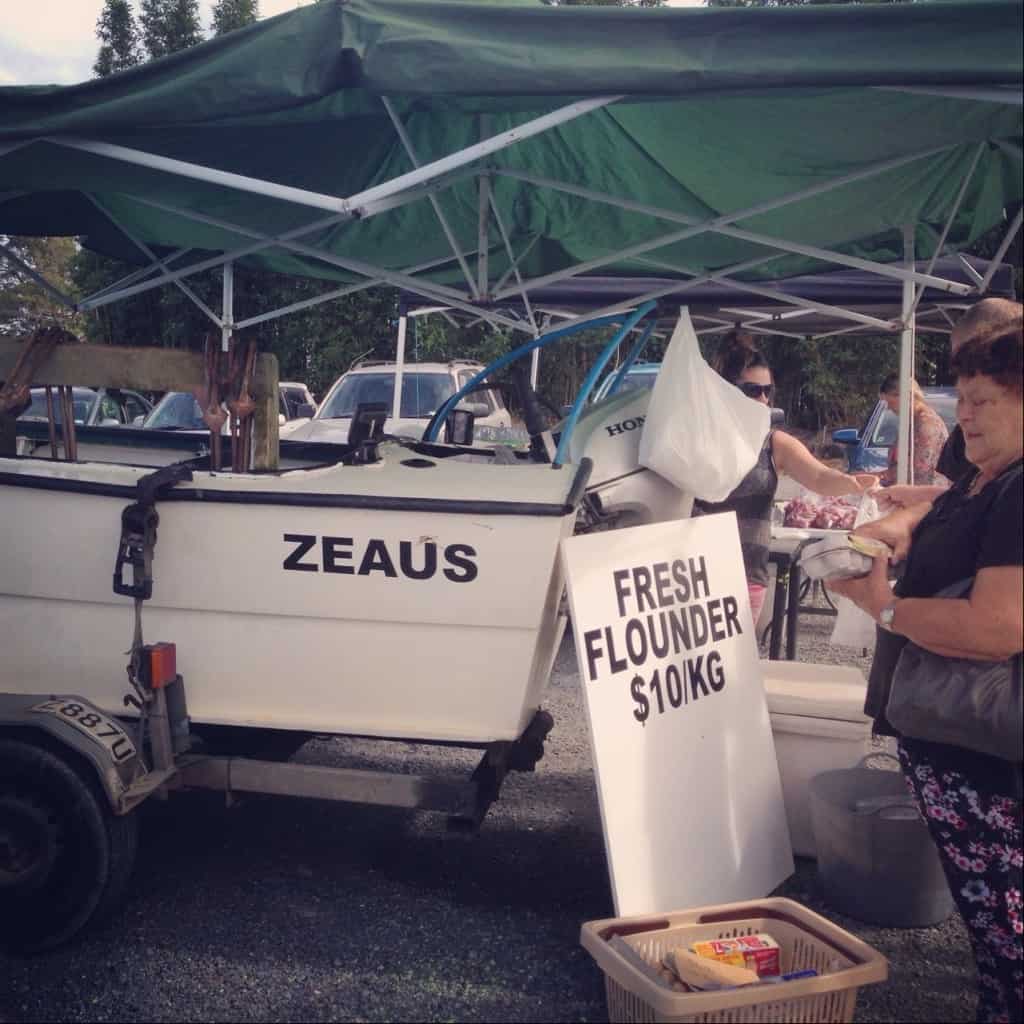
<point x="723" y="110"/>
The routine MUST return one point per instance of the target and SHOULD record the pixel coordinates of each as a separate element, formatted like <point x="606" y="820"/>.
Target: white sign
<point x="687" y="777"/>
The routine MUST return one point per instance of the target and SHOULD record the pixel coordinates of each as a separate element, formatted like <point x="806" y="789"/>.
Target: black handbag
<point x="978" y="705"/>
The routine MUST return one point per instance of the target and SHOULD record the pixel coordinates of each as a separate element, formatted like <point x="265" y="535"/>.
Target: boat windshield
<point x="422" y="393"/>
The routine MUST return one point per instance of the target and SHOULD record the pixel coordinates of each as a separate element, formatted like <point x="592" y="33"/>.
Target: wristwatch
<point x="886" y="614"/>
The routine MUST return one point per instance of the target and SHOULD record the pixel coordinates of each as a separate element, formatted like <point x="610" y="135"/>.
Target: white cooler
<point x="818" y="724"/>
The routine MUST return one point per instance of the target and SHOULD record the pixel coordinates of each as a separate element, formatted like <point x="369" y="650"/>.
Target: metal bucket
<point x="876" y="860"/>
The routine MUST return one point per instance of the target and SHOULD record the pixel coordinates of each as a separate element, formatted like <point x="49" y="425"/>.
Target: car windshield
<point x="887" y="428"/>
<point x="81" y="402"/>
<point x="177" y="410"/>
<point x="422" y="393"/>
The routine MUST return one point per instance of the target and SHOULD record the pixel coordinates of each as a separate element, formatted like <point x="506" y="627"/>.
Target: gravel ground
<point x="291" y="910"/>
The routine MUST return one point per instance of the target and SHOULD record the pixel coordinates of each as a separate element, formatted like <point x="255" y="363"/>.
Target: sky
<point x="54" y="41"/>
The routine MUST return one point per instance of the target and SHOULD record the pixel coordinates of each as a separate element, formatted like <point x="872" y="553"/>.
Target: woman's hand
<point x="895" y="529"/>
<point x="870" y="593"/>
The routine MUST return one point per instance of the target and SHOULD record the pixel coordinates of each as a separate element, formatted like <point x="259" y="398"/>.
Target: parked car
<point x="299" y="403"/>
<point x="425" y="387"/>
<point x="103" y="407"/>
<point x="867" y="450"/>
<point x="179" y="410"/>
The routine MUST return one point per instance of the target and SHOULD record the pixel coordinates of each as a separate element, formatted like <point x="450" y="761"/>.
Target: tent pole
<point x="50" y="290"/>
<point x="720" y="225"/>
<point x="135" y="275"/>
<point x="267" y="241"/>
<point x="396" y="397"/>
<point x="906" y="434"/>
<point x="515" y="263"/>
<point x="1001" y="251"/>
<point x="149" y="254"/>
<point x="352" y="205"/>
<point x="483" y="242"/>
<point x="337" y="293"/>
<point x="227" y="322"/>
<point x="515" y="269"/>
<point x="949" y="220"/>
<point x="403" y="135"/>
<point x="434" y="292"/>
<point x="722" y="276"/>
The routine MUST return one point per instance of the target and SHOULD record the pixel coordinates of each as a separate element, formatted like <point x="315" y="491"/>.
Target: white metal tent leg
<point x="227" y="307"/>
<point x="396" y="398"/>
<point x="905" y="440"/>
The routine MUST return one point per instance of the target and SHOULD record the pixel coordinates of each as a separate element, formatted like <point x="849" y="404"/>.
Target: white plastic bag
<point x="701" y="434"/>
<point x="854" y="627"/>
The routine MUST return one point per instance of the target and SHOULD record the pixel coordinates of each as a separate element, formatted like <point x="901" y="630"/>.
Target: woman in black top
<point x="742" y="364"/>
<point x="971" y="801"/>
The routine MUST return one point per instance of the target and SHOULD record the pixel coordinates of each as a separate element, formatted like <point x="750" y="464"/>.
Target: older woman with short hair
<point x="971" y="801"/>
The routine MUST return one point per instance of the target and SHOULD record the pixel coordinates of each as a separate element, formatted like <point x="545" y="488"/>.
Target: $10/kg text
<point x="676" y="686"/>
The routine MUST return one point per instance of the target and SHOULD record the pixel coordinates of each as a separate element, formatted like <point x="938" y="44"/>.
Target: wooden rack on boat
<point x="148" y="369"/>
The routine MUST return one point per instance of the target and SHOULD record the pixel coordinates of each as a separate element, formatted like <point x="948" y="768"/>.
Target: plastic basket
<point x="806" y="940"/>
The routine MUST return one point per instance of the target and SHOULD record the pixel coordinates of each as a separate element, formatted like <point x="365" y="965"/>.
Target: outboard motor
<point x="621" y="492"/>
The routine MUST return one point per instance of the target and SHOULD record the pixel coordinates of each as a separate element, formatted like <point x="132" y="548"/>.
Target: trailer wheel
<point x="62" y="852"/>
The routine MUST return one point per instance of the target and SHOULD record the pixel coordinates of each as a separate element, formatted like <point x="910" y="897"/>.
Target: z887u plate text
<point x="97" y="726"/>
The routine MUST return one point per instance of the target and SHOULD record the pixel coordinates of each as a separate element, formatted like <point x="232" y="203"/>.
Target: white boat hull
<point x="337" y="637"/>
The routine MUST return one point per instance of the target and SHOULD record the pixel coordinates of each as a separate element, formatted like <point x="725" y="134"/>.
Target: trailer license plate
<point x="95" y="725"/>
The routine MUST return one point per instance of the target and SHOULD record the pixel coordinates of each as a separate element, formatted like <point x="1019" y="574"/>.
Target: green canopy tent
<point x="473" y="151"/>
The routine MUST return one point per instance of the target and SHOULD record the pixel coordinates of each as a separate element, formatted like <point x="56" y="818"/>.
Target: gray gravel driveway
<point x="293" y="910"/>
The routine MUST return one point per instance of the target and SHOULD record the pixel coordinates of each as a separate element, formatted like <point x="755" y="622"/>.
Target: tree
<point x="119" y="39"/>
<point x="169" y="26"/>
<point x="23" y="304"/>
<point x="231" y="14"/>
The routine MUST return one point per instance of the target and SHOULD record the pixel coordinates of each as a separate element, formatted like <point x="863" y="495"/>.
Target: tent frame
<point x="430" y="180"/>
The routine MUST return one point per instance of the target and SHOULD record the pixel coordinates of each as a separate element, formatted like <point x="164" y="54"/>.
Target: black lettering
<point x="377" y="559"/>
<point x="656" y="690"/>
<point x="594" y="652"/>
<point x="629" y="425"/>
<point x="699" y="575"/>
<point x="429" y="560"/>
<point x="619" y="578"/>
<point x="642" y="585"/>
<point x="613" y="429"/>
<point x="304" y="542"/>
<point x="459" y="556"/>
<point x="697" y="676"/>
<point x="616" y="664"/>
<point x="334" y="549"/>
<point x="718" y="631"/>
<point x="674" y="689"/>
<point x="636" y="641"/>
<point x="680" y="630"/>
<point x="732" y="615"/>
<point x="716" y="674"/>
<point x="679" y="575"/>
<point x="662" y="583"/>
<point x="698" y="624"/>
<point x="659" y="648"/>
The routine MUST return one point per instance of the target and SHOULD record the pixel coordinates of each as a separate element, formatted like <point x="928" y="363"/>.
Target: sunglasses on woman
<point x="757" y="390"/>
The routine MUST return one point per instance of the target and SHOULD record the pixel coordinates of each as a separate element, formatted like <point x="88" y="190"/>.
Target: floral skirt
<point x="978" y="833"/>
